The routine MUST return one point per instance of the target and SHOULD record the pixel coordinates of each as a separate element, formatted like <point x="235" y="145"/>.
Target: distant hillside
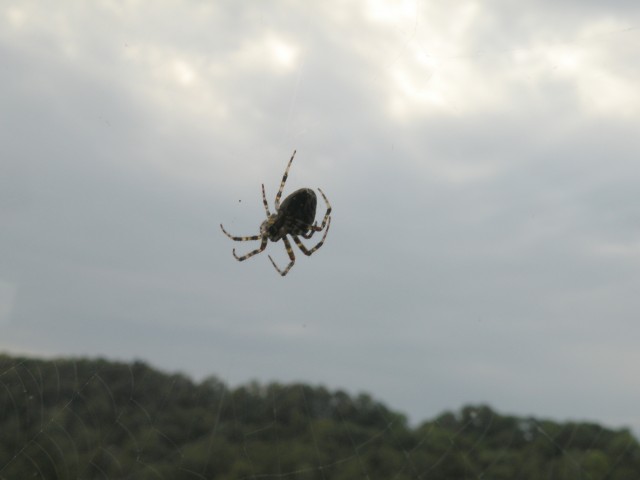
<point x="78" y="418"/>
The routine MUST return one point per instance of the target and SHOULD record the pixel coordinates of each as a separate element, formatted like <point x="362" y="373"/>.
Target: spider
<point x="295" y="216"/>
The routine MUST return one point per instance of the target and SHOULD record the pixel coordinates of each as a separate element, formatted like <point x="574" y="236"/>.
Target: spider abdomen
<point x="295" y="215"/>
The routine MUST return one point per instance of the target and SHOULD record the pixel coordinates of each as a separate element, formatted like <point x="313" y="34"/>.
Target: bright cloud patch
<point x="446" y="67"/>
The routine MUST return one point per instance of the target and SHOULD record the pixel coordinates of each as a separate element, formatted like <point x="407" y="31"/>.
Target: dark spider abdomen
<point x="295" y="215"/>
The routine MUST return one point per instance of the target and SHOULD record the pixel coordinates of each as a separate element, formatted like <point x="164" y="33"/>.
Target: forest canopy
<point x="92" y="418"/>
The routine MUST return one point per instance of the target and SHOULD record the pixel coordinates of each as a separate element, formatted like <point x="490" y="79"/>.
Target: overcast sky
<point x="482" y="160"/>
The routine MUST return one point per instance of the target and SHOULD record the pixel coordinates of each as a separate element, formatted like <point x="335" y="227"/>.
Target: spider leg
<point x="304" y="249"/>
<point x="284" y="179"/>
<point x="307" y="230"/>
<point x="262" y="246"/>
<point x="292" y="257"/>
<point x="327" y="215"/>
<point x="264" y="201"/>
<point x="313" y="229"/>
<point x="240" y="239"/>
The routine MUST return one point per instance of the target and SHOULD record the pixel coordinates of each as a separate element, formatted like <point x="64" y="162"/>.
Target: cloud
<point x="8" y="293"/>
<point x="480" y="160"/>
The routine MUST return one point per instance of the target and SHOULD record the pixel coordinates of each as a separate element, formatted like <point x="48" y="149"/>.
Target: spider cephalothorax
<point x="295" y="216"/>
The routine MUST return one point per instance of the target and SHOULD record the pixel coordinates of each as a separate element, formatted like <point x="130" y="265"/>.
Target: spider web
<point x="124" y="421"/>
<point x="53" y="430"/>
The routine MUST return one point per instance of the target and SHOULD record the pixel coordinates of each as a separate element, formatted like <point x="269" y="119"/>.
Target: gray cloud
<point x="480" y="163"/>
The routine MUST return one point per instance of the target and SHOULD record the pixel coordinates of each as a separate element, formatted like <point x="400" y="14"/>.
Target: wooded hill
<point x="79" y="418"/>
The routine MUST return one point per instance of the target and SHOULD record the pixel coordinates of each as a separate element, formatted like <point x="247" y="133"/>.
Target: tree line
<point x="92" y="418"/>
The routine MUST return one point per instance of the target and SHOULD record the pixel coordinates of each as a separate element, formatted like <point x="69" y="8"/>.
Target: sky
<point x="481" y="158"/>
